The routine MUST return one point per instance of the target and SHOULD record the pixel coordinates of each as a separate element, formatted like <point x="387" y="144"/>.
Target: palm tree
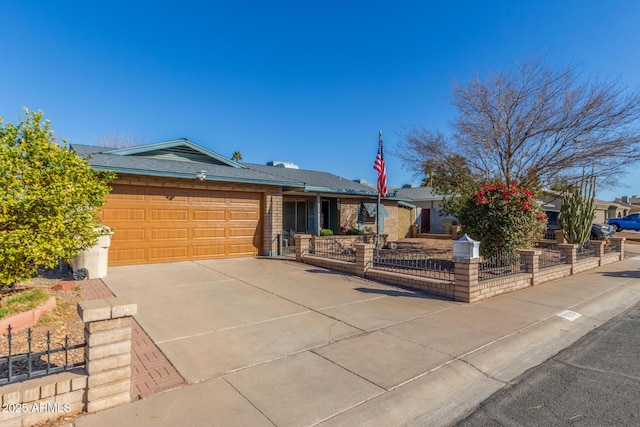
<point x="236" y="156"/>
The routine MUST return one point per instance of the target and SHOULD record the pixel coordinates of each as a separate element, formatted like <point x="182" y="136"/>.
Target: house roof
<point x="170" y="163"/>
<point x="182" y="158"/>
<point x="418" y="193"/>
<point x="316" y="181"/>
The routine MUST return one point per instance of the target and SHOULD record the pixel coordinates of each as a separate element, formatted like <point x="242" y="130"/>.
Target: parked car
<point x="629" y="222"/>
<point x="598" y="231"/>
<point x="602" y="231"/>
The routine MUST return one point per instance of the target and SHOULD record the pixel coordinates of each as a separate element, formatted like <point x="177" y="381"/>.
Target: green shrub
<point x="23" y="301"/>
<point x="326" y="232"/>
<point x="354" y="231"/>
<point x="502" y="218"/>
<point x="50" y="199"/>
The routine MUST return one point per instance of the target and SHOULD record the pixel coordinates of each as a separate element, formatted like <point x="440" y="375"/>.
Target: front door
<point x="425" y="220"/>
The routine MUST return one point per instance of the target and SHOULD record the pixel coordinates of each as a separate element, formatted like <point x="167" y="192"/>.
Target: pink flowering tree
<point x="502" y="217"/>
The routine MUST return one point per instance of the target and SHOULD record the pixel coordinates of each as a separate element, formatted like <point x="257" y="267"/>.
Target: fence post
<point x="532" y="260"/>
<point x="107" y="331"/>
<point x="619" y="242"/>
<point x="466" y="279"/>
<point x="598" y="246"/>
<point x="570" y="251"/>
<point x="454" y="232"/>
<point x="560" y="240"/>
<point x="364" y="258"/>
<point x="302" y="245"/>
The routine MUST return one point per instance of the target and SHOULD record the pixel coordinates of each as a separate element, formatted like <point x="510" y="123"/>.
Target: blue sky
<point x="307" y="82"/>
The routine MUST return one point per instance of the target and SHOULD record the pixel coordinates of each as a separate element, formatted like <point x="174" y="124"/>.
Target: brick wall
<point x="48" y="398"/>
<point x="272" y="214"/>
<point x="349" y="209"/>
<point x="467" y="287"/>
<point x="586" y="264"/>
<point x="432" y="286"/>
<point x="552" y="273"/>
<point x="103" y="383"/>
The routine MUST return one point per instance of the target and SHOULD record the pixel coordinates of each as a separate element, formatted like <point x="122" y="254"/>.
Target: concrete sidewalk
<point x="266" y="342"/>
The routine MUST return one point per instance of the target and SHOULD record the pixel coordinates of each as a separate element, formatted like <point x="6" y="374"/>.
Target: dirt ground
<point x="631" y="244"/>
<point x="60" y="323"/>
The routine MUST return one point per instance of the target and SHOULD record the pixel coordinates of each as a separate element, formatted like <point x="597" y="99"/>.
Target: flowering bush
<point x="502" y="217"/>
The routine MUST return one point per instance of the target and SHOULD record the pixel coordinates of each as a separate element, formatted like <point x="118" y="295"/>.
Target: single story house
<point x="178" y="201"/>
<point x="552" y="203"/>
<point x="428" y="209"/>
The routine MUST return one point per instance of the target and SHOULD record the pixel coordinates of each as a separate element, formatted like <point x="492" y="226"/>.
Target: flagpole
<point x="378" y="212"/>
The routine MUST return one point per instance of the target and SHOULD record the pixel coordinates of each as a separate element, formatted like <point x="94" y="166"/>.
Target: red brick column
<point x="108" y="351"/>
<point x="619" y="242"/>
<point x="532" y="259"/>
<point x="466" y="285"/>
<point x="570" y="251"/>
<point x="364" y="258"/>
<point x="302" y="245"/>
<point x="598" y="245"/>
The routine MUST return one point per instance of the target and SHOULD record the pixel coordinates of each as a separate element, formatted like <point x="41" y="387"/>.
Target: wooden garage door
<point x="158" y="224"/>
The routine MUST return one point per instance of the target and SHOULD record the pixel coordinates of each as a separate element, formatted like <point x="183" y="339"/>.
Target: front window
<point x="294" y="216"/>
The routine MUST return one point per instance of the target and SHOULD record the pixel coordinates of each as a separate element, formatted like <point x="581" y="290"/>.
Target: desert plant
<point x="578" y="211"/>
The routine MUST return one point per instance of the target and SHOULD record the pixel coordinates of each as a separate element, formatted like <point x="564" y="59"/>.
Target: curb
<point x="27" y="319"/>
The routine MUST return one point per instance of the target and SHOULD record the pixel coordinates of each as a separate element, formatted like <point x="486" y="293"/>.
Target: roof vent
<point x="279" y="164"/>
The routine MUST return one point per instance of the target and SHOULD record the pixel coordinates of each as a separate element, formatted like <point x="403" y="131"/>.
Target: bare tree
<point x="533" y="125"/>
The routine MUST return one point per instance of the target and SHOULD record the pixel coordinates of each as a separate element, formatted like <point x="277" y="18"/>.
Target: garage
<point x="168" y="224"/>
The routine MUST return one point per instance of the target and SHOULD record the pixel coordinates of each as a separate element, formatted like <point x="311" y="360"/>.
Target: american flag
<point x="381" y="167"/>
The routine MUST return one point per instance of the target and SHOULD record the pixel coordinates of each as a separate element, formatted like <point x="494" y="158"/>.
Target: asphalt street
<point x="595" y="382"/>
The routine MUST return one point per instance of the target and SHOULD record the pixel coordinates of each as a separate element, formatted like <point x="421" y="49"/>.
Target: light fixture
<point x="201" y="175"/>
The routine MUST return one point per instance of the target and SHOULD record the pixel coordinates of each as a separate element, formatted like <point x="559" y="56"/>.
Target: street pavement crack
<point x="593" y="369"/>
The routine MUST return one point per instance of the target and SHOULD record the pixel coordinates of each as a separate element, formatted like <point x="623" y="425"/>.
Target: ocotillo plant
<point x="578" y="211"/>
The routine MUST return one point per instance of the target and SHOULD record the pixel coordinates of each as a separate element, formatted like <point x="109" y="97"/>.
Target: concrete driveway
<point x="271" y="342"/>
<point x="215" y="317"/>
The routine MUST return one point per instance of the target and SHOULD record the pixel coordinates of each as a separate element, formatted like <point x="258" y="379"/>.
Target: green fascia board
<point x="191" y="176"/>
<point x="406" y="205"/>
<point x="313" y="189"/>
<point x="175" y="143"/>
<point x="374" y="193"/>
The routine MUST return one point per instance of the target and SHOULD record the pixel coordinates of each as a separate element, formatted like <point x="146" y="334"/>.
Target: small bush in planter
<point x="354" y="231"/>
<point x="326" y="232"/>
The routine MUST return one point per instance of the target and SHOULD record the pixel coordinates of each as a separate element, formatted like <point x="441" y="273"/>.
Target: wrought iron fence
<point x="439" y="229"/>
<point x="500" y="265"/>
<point x="585" y="251"/>
<point x="414" y="263"/>
<point x="611" y="246"/>
<point x="333" y="249"/>
<point x="287" y="246"/>
<point x="32" y="364"/>
<point x="550" y="257"/>
<point x="549" y="235"/>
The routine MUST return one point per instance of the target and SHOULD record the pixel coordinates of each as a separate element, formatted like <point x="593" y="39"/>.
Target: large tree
<point x="49" y="199"/>
<point x="531" y="124"/>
